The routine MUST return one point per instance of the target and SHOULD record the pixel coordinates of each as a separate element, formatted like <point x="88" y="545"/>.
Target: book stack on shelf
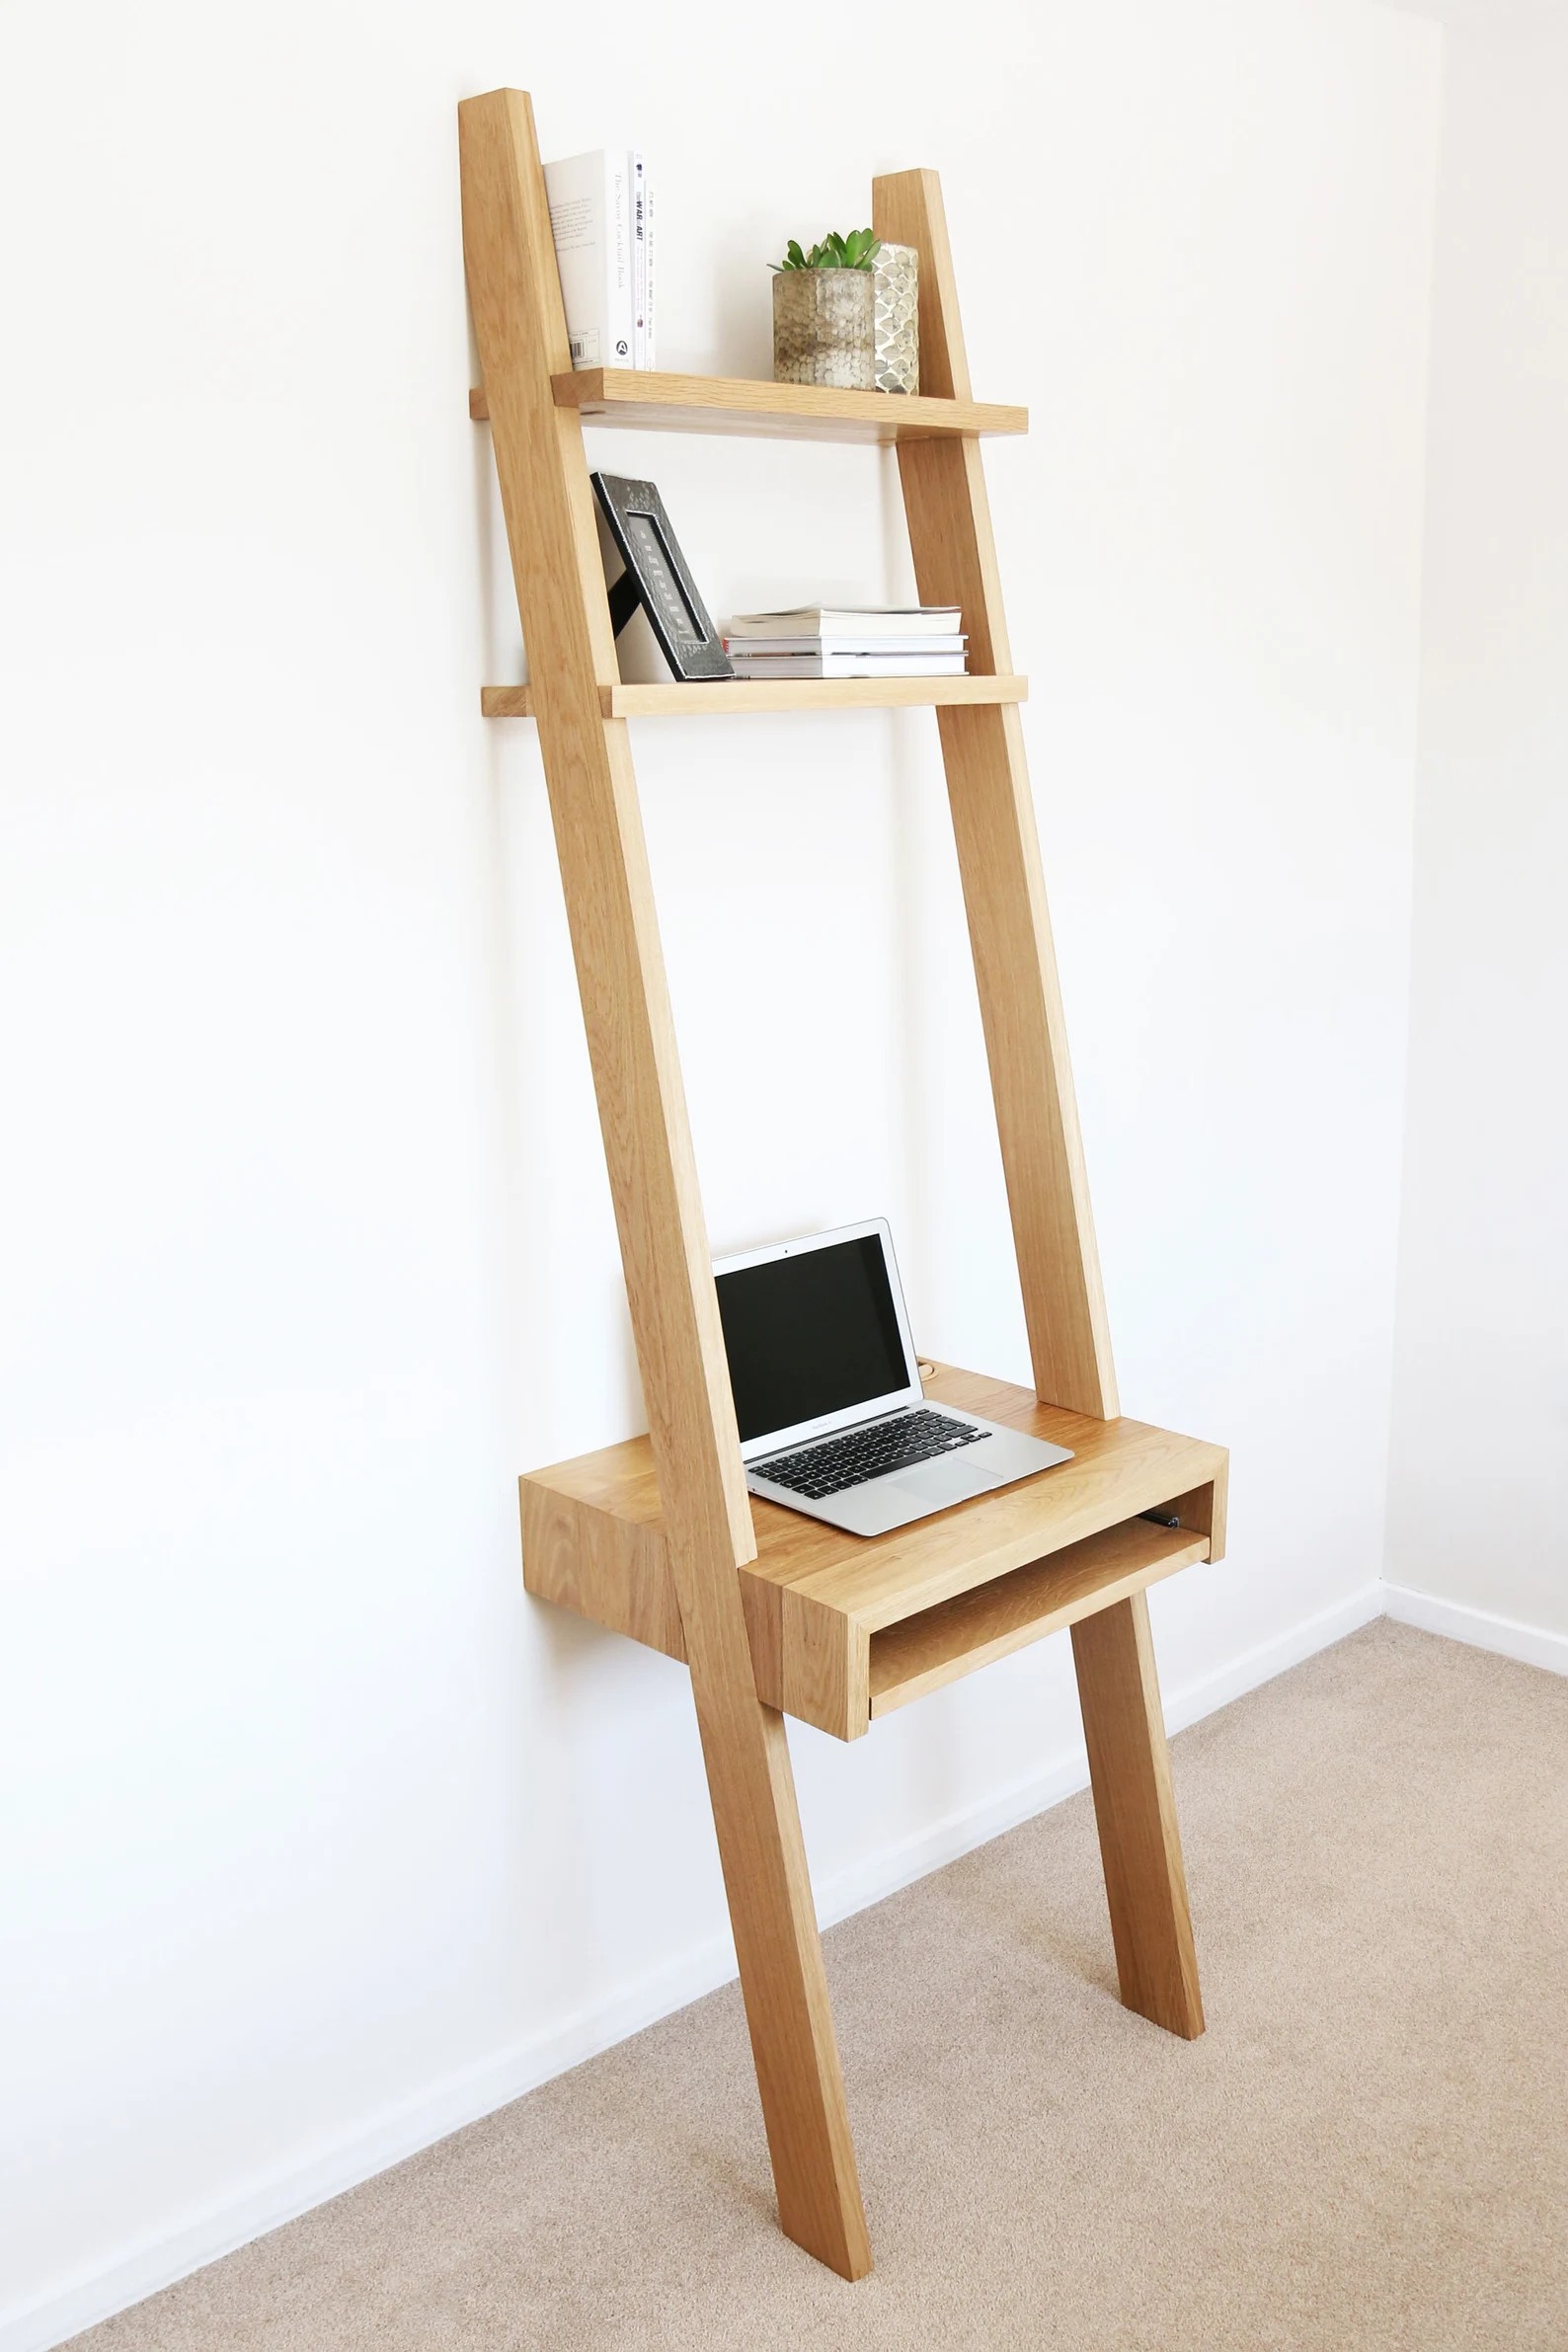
<point x="602" y="221"/>
<point x="848" y="641"/>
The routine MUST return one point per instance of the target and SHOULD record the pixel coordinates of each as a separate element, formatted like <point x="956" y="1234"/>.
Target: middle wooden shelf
<point x="739" y="699"/>
<point x="843" y="1629"/>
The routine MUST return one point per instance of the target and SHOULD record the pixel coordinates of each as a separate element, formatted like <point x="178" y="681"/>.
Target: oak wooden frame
<point x="659" y="1538"/>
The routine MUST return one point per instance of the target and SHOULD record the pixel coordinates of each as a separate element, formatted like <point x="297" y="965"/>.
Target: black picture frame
<point x="659" y="579"/>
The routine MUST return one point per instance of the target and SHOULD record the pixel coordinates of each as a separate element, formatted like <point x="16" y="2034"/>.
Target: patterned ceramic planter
<point x="896" y="300"/>
<point x="823" y="329"/>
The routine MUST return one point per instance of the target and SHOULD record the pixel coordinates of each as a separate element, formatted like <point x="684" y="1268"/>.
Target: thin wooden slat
<point x="654" y="401"/>
<point x="993" y="824"/>
<point x="740" y="698"/>
<point x="547" y="499"/>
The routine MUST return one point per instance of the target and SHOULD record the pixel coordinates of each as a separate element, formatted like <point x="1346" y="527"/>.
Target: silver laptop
<point x="833" y="1420"/>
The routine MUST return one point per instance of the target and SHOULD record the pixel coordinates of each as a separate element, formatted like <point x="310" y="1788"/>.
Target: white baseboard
<point x="1531" y="1646"/>
<point x="397" y="2133"/>
<point x="404" y="2130"/>
<point x="960" y="1832"/>
<point x="1191" y="1702"/>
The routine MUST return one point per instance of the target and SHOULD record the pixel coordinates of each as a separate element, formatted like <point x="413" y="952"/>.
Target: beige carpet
<point x="1368" y="2151"/>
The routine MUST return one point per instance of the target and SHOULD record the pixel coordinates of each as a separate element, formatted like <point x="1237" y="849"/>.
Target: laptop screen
<point x="810" y="1334"/>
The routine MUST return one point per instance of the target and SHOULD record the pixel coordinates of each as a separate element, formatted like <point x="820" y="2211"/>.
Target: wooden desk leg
<point x="782" y="1978"/>
<point x="1140" y="1843"/>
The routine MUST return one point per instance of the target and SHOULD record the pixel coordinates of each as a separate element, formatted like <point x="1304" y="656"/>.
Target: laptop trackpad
<point x="952" y="1477"/>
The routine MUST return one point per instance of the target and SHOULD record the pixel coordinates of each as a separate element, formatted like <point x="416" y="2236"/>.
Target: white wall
<point x="321" y="1835"/>
<point x="1478" y="1494"/>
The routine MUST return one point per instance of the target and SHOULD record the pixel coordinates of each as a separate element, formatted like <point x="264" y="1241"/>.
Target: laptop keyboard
<point x="862" y="1454"/>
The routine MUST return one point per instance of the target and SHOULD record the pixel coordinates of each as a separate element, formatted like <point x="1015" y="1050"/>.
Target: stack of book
<point x="848" y="641"/>
<point x="602" y="221"/>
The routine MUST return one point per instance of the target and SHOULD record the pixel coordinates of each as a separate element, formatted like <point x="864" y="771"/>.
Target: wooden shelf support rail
<point x="999" y="851"/>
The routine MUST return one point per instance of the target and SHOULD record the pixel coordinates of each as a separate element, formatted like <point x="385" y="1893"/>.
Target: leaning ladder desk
<point x="775" y="1613"/>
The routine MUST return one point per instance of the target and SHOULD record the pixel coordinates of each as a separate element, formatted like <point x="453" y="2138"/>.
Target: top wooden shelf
<point x="656" y="403"/>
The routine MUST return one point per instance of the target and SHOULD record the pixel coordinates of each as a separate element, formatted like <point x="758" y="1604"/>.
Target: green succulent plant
<point x="857" y="251"/>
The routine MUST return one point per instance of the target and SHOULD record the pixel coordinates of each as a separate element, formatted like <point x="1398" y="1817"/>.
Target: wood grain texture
<point x="521" y="329"/>
<point x="600" y="1545"/>
<point x="906" y="209"/>
<point x="740" y="698"/>
<point x="993" y="822"/>
<point x="1135" y="1813"/>
<point x="648" y="399"/>
<point x="958" y="1636"/>
<point x="615" y="1572"/>
<point x="1026" y="1039"/>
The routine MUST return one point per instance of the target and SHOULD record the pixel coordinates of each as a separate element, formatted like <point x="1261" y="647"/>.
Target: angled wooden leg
<point x="1139" y="1844"/>
<point x="520" y="328"/>
<point x="782" y="1978"/>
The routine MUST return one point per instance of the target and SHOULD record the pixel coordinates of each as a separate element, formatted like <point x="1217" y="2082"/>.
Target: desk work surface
<point x="843" y="1629"/>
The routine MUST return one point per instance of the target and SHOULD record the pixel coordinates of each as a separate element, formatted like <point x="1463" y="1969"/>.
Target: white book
<point x="591" y="219"/>
<point x="650" y="301"/>
<point x="849" y="643"/>
<point x="846" y="620"/>
<point x="638" y="173"/>
<point x="846" y="665"/>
